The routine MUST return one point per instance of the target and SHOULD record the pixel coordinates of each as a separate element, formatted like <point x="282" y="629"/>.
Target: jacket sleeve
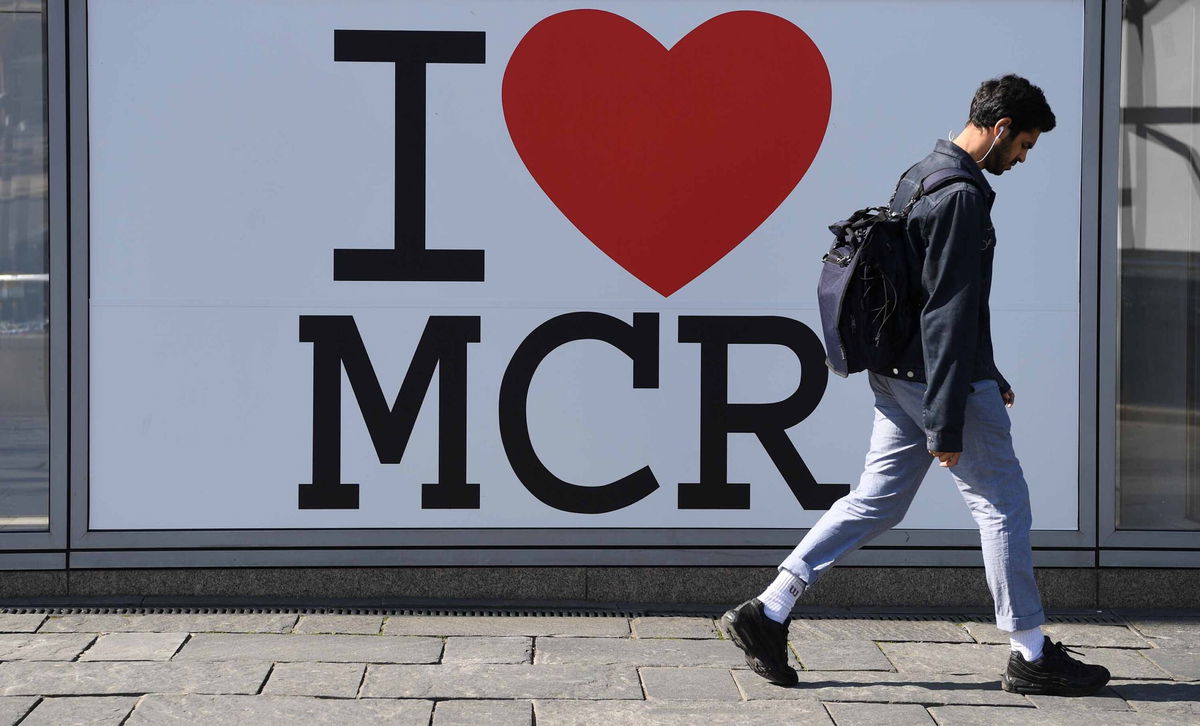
<point x="1002" y="382"/>
<point x="951" y="276"/>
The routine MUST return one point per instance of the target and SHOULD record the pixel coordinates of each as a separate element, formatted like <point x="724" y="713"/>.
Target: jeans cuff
<point x="1011" y="624"/>
<point x="799" y="569"/>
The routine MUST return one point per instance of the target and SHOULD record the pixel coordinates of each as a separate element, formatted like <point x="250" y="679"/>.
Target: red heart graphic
<point x="666" y="159"/>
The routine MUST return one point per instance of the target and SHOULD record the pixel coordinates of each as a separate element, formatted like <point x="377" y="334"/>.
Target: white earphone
<point x="998" y="135"/>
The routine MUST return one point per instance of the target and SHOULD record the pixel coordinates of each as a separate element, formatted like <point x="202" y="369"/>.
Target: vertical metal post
<point x="1108" y="346"/>
<point x="77" y="143"/>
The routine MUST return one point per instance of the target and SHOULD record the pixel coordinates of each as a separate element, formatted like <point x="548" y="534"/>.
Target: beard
<point x="1001" y="158"/>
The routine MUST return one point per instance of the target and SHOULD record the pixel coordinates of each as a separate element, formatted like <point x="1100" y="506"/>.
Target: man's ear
<point x="1002" y="124"/>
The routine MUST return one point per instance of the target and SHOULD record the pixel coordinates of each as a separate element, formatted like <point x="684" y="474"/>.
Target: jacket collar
<point x="964" y="160"/>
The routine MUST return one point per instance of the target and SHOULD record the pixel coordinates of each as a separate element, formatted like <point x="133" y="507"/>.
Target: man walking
<point x="942" y="399"/>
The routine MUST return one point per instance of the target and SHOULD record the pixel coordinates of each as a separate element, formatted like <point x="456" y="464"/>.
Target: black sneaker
<point x="1054" y="674"/>
<point x="763" y="640"/>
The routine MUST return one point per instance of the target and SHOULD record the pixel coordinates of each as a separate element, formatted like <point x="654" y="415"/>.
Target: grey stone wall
<point x="649" y="588"/>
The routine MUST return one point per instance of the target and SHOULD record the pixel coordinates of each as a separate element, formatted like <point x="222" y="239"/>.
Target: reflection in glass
<point x="24" y="282"/>
<point x="1158" y="481"/>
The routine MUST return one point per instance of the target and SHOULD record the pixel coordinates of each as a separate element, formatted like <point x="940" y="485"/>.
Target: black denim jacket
<point x="951" y="244"/>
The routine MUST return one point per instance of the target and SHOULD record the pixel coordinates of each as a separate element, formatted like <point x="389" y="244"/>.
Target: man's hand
<point x="946" y="459"/>
<point x="1010" y="398"/>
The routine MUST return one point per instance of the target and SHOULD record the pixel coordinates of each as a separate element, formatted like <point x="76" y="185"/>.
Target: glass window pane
<point x="24" y="282"/>
<point x="1159" y="237"/>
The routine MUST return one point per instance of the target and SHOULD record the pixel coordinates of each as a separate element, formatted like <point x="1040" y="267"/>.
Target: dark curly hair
<point x="1013" y="97"/>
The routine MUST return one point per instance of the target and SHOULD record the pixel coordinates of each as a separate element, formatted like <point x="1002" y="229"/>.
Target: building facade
<point x="338" y="299"/>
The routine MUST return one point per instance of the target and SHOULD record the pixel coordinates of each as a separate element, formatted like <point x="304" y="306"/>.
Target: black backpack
<point x="869" y="305"/>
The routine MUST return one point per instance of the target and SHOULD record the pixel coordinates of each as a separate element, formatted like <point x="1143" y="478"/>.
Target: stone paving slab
<point x="341" y="624"/>
<point x="998" y="716"/>
<point x="38" y="646"/>
<point x="169" y="623"/>
<point x="13" y="709"/>
<point x="650" y="652"/>
<point x="848" y="655"/>
<point x="645" y="713"/>
<point x="1070" y="634"/>
<point x="884" y="688"/>
<point x="20" y="623"/>
<point x="878" y="630"/>
<point x="502" y="681"/>
<point x="1106" y="700"/>
<point x="483" y="713"/>
<point x="81" y="711"/>
<point x="1153" y="697"/>
<point x="27" y="678"/>
<point x="324" y="680"/>
<point x="323" y="648"/>
<point x="879" y="714"/>
<point x="947" y="658"/>
<point x="1176" y="632"/>
<point x="464" y="649"/>
<point x="986" y="633"/>
<point x="1094" y="636"/>
<point x="135" y="646"/>
<point x="1183" y="664"/>
<point x="666" y="627"/>
<point x="689" y="684"/>
<point x="190" y="710"/>
<point x="580" y="627"/>
<point x="1123" y="663"/>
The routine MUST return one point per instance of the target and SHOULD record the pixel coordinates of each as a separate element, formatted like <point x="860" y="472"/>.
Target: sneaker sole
<point x="727" y="626"/>
<point x="1027" y="688"/>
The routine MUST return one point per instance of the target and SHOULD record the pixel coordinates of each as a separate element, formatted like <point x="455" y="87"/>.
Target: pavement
<point x="273" y="667"/>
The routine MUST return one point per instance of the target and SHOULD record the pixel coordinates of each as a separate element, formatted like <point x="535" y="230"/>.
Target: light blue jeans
<point x="988" y="475"/>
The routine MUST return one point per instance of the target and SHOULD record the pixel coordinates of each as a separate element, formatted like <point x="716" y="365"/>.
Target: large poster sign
<point x="523" y="264"/>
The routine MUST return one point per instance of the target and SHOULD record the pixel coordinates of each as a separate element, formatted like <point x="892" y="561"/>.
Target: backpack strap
<point x="943" y="177"/>
<point x="896" y="189"/>
<point x="936" y="180"/>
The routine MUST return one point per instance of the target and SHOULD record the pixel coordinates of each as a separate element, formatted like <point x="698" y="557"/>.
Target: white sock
<point x="779" y="599"/>
<point x="1028" y="643"/>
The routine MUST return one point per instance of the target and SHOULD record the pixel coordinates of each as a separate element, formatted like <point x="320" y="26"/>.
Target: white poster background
<point x="230" y="154"/>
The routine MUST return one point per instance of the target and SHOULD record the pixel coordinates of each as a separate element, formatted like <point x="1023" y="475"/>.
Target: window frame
<point x="46" y="549"/>
<point x="1121" y="547"/>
